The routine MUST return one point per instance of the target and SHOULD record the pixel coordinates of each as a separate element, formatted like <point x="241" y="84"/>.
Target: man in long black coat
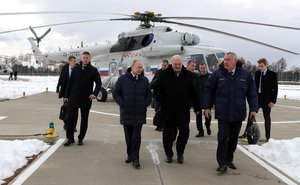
<point x="80" y="94"/>
<point x="63" y="80"/>
<point x="267" y="90"/>
<point x="132" y="94"/>
<point x="175" y="90"/>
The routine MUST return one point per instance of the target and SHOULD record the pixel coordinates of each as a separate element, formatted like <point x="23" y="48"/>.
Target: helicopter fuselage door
<point x="114" y="64"/>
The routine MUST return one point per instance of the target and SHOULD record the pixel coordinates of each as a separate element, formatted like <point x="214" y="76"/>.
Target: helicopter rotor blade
<point x="41" y="37"/>
<point x="231" y="20"/>
<point x="230" y="34"/>
<point x="34" y="33"/>
<point x="59" y="12"/>
<point x="55" y="24"/>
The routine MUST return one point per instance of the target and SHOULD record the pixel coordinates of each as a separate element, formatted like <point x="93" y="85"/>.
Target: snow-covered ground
<point x="13" y="155"/>
<point x="284" y="154"/>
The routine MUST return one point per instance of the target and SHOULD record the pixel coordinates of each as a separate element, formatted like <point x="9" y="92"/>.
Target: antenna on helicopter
<point x="38" y="39"/>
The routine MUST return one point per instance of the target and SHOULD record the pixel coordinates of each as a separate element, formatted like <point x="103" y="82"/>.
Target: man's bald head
<point x="176" y="63"/>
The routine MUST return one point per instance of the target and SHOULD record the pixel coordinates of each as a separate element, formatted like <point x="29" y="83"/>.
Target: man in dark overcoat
<point x="79" y="95"/>
<point x="132" y="94"/>
<point x="63" y="81"/>
<point x="176" y="91"/>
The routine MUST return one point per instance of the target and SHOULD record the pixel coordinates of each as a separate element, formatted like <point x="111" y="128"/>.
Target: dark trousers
<point x="170" y="132"/>
<point x="199" y="122"/>
<point x="133" y="140"/>
<point x="227" y="140"/>
<point x="266" y="112"/>
<point x="72" y="122"/>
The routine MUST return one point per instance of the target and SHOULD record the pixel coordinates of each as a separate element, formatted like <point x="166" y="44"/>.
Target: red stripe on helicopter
<point x="127" y="55"/>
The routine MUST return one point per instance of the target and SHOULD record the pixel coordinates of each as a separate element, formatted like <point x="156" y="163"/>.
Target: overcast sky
<point x="266" y="11"/>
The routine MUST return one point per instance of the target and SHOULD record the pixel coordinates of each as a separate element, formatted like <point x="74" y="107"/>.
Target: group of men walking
<point x="176" y="89"/>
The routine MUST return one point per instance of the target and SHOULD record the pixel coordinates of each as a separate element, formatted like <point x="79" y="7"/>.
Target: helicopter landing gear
<point x="102" y="95"/>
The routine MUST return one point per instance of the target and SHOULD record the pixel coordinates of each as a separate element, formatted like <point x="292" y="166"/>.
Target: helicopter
<point x="4" y="69"/>
<point x="148" y="43"/>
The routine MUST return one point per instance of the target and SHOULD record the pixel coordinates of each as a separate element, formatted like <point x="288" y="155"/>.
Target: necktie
<point x="230" y="73"/>
<point x="259" y="87"/>
<point x="70" y="71"/>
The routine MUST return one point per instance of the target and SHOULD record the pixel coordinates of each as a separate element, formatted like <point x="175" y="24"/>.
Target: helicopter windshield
<point x="132" y="43"/>
<point x="212" y="62"/>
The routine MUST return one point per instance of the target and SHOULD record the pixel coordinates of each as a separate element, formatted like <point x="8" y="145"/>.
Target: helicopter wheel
<point x="102" y="95"/>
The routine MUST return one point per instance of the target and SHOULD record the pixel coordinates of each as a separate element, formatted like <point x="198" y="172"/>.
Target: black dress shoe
<point x="208" y="130"/>
<point x="180" y="159"/>
<point x="69" y="142"/>
<point x="128" y="160"/>
<point x="200" y="134"/>
<point x="169" y="160"/>
<point x="222" y="169"/>
<point x="80" y="142"/>
<point x="231" y="165"/>
<point x="136" y="164"/>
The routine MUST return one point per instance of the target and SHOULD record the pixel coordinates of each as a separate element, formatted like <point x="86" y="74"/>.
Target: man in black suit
<point x="80" y="94"/>
<point x="63" y="80"/>
<point x="175" y="90"/>
<point x="204" y="76"/>
<point x="267" y="90"/>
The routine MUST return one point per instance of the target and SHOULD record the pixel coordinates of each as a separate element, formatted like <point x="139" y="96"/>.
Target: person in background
<point x="228" y="88"/>
<point x="79" y="95"/>
<point x="63" y="81"/>
<point x="11" y="76"/>
<point x="204" y="76"/>
<point x="15" y="74"/>
<point x="267" y="90"/>
<point x="175" y="90"/>
<point x="132" y="94"/>
<point x="191" y="66"/>
<point x="157" y="120"/>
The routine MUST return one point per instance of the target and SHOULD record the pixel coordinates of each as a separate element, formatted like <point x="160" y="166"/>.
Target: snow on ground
<point x="292" y="92"/>
<point x="284" y="154"/>
<point x="29" y="84"/>
<point x="13" y="155"/>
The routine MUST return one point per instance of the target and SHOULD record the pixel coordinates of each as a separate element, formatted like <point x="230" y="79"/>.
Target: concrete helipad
<point x="101" y="159"/>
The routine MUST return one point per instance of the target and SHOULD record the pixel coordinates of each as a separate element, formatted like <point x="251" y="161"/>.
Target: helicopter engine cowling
<point x="196" y="39"/>
<point x="187" y="39"/>
<point x="158" y="51"/>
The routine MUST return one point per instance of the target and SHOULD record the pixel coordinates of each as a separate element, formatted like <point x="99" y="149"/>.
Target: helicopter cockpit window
<point x="212" y="62"/>
<point x="199" y="60"/>
<point x="147" y="40"/>
<point x="220" y="55"/>
<point x="132" y="43"/>
<point x="0" y="66"/>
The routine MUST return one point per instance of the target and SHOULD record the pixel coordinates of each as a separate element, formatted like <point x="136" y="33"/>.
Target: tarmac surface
<point x="101" y="159"/>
